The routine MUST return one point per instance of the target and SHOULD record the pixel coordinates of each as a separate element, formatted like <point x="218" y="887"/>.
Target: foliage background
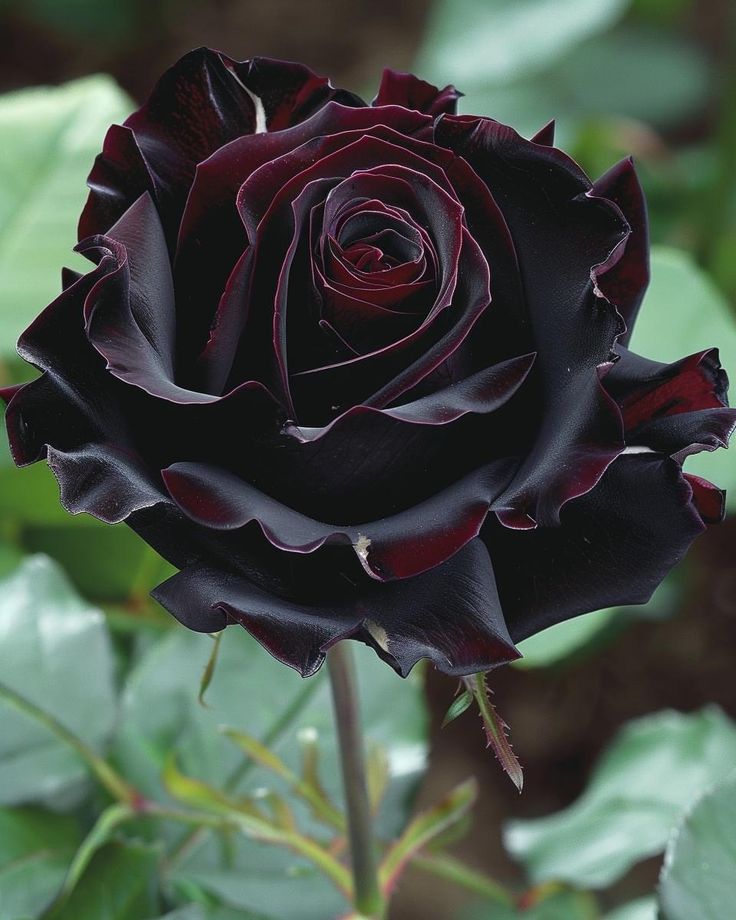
<point x="655" y="78"/>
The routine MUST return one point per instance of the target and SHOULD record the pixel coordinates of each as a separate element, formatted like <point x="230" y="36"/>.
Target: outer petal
<point x="412" y="93"/>
<point x="566" y="238"/>
<point x="614" y="545"/>
<point x="625" y="282"/>
<point x="204" y="101"/>
<point x="450" y="615"/>
<point x="679" y="408"/>
<point x="400" y="546"/>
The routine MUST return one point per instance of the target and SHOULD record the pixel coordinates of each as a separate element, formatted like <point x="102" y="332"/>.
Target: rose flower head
<point x="360" y="370"/>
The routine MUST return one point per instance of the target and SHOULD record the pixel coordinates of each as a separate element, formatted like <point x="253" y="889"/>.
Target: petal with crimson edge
<point x="708" y="499"/>
<point x="564" y="253"/>
<point x="395" y="547"/>
<point x="450" y="615"/>
<point x="546" y="135"/>
<point x="483" y="392"/>
<point x="625" y="282"/>
<point x="678" y="408"/>
<point x="409" y="91"/>
<point x="614" y="546"/>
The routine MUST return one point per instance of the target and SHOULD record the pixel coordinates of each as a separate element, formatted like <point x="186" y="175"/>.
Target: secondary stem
<point x="367" y="894"/>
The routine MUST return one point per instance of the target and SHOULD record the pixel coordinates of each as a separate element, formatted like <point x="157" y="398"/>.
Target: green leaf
<point x="200" y="912"/>
<point x="556" y="905"/>
<point x="500" y="40"/>
<point x="684" y="313"/>
<point x="642" y="909"/>
<point x="50" y="138"/>
<point x="458" y="706"/>
<point x="54" y="651"/>
<point x="699" y="876"/>
<point x="251" y="692"/>
<point x="627" y="811"/>
<point x="35" y="849"/>
<point x="120" y="884"/>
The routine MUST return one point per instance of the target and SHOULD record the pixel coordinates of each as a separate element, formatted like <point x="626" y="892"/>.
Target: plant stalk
<point x="367" y="896"/>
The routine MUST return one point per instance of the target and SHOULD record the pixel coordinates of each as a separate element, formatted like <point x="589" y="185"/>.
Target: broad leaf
<point x="54" y="651"/>
<point x="642" y="909"/>
<point x="561" y="905"/>
<point x="508" y="38"/>
<point x="654" y="769"/>
<point x="699" y="877"/>
<point x="119" y="884"/>
<point x="35" y="850"/>
<point x="50" y="138"/>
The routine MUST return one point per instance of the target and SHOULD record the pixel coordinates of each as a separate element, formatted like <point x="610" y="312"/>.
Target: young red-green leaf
<point x="495" y="728"/>
<point x="378" y="774"/>
<point x="321" y="807"/>
<point x="423" y="829"/>
<point x="209" y="670"/>
<point x="458" y="707"/>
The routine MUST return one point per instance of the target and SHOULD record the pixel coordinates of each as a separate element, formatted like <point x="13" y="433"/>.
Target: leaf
<point x="457" y="707"/>
<point x="699" y="875"/>
<point x="642" y="909"/>
<point x="251" y="692"/>
<point x="35" y="850"/>
<point x="654" y="769"/>
<point x="201" y="912"/>
<point x="423" y="829"/>
<point x="508" y="38"/>
<point x="556" y="905"/>
<point x="50" y="138"/>
<point x="684" y="313"/>
<point x="209" y="670"/>
<point x="120" y="884"/>
<point x="55" y="651"/>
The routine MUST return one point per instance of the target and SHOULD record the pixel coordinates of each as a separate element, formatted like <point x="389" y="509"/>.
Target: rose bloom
<point x="361" y="370"/>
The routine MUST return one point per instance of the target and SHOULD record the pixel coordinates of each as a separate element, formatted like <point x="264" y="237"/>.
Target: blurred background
<point x="656" y="78"/>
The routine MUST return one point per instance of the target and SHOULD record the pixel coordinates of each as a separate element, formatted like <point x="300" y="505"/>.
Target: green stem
<point x="368" y="899"/>
<point x="451" y="869"/>
<point x="109" y="778"/>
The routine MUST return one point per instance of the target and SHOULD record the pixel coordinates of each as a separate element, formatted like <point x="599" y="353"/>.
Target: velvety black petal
<point x="409" y="91"/>
<point x="614" y="545"/>
<point x="677" y="409"/>
<point x="565" y="239"/>
<point x="450" y="615"/>
<point x="626" y="281"/>
<point x="400" y="546"/>
<point x="545" y="135"/>
<point x="201" y="103"/>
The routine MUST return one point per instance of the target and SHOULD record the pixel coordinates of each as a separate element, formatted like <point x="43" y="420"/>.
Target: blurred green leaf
<point x="200" y="912"/>
<point x="684" y="313"/>
<point x="558" y="905"/>
<point x="120" y="884"/>
<point x="699" y="876"/>
<point x="35" y="850"/>
<point x="500" y="40"/>
<point x="654" y="769"/>
<point x="55" y="651"/>
<point x="50" y="138"/>
<point x="252" y="692"/>
<point x="643" y="909"/>
<point x="110" y="22"/>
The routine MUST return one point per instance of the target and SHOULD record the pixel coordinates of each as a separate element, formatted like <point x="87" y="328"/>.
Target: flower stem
<point x="368" y="899"/>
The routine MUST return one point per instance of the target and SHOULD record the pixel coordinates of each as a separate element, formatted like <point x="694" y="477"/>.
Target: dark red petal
<point x="565" y="238"/>
<point x="409" y="91"/>
<point x="625" y="282"/>
<point x="708" y="499"/>
<point x="105" y="481"/>
<point x="613" y="546"/>
<point x="483" y="392"/>
<point x="400" y="546"/>
<point x="129" y="313"/>
<point x="679" y="408"/>
<point x="450" y="615"/>
<point x="204" y="101"/>
<point x="546" y="135"/>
